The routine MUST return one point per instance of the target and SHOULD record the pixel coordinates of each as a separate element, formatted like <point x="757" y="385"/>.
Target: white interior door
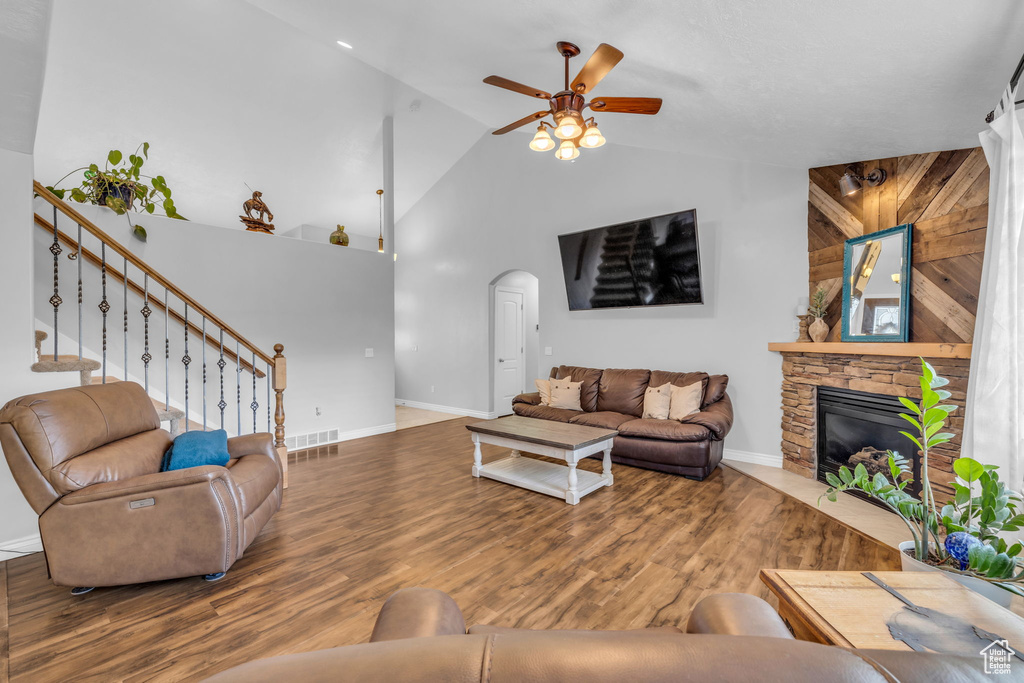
<point x="509" y="347"/>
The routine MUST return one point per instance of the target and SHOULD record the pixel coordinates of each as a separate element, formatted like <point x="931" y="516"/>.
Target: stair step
<point x="166" y="414"/>
<point x="65" y="364"/>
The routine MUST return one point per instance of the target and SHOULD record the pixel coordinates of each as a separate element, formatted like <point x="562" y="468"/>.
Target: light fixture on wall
<point x="380" y="237"/>
<point x="850" y="183"/>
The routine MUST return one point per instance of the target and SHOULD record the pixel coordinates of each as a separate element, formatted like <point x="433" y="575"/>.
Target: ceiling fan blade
<point x="627" y="105"/>
<point x="605" y="57"/>
<point x="521" y="122"/>
<point x="516" y="87"/>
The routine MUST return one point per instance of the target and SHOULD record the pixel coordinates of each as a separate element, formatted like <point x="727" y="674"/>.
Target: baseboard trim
<point x="480" y="414"/>
<point x="754" y="458"/>
<point x="354" y="434"/>
<point x="25" y="545"/>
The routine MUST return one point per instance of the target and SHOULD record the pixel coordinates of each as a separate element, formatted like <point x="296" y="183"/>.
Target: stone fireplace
<point x="856" y="375"/>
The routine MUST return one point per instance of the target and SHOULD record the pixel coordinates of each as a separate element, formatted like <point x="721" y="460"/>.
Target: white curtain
<point x="994" y="428"/>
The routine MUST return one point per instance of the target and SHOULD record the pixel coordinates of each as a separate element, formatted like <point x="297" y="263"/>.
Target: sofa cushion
<point x="197" y="449"/>
<point x="590" y="377"/>
<point x="680" y="379"/>
<point x="715" y="389"/>
<point x="126" y="458"/>
<point x="665" y="430"/>
<point x="657" y="400"/>
<point x="544" y="389"/>
<point x="622" y="391"/>
<point x="603" y="419"/>
<point x="685" y="401"/>
<point x="565" y="394"/>
<point x="544" y="412"/>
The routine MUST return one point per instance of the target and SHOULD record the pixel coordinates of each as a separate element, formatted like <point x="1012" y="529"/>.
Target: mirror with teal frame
<point x="876" y="286"/>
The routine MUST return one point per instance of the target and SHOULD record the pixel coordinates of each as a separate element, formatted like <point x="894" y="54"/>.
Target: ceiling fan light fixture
<point x="542" y="142"/>
<point x="568" y="127"/>
<point x="567" y="151"/>
<point x="592" y="137"/>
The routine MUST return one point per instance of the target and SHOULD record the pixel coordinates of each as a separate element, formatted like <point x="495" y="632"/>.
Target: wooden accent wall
<point x="945" y="196"/>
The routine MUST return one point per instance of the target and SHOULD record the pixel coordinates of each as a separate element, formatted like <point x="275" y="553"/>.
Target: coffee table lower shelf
<point x="541" y="476"/>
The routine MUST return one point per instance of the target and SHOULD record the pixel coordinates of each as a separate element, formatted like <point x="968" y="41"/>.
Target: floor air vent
<point x="311" y="440"/>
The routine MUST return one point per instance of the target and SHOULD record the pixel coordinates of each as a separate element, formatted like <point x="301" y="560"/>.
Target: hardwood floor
<point x="364" y="518"/>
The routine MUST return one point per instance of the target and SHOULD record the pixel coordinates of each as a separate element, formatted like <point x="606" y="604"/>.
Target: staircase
<point x="135" y="316"/>
<point x="624" y="275"/>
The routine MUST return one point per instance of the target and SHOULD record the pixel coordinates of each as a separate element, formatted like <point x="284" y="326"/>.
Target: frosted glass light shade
<point x="567" y="151"/>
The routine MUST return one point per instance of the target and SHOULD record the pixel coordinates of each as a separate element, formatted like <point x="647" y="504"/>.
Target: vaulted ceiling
<point x="792" y="82"/>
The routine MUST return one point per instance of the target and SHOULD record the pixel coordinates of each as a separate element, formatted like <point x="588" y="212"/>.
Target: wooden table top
<point x="544" y="432"/>
<point x="849" y="610"/>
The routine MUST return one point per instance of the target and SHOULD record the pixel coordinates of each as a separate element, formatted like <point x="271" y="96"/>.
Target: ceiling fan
<point x="567" y="106"/>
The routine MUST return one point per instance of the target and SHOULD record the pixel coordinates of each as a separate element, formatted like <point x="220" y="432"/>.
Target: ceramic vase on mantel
<point x="818" y="330"/>
<point x="994" y="593"/>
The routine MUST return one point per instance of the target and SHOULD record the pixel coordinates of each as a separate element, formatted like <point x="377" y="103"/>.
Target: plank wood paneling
<point x="366" y="517"/>
<point x="945" y="195"/>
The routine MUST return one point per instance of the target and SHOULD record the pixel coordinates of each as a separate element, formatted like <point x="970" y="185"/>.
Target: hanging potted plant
<point x="963" y="536"/>
<point x="120" y="185"/>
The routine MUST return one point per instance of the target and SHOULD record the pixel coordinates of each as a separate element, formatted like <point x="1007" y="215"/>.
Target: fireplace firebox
<point x="855" y="427"/>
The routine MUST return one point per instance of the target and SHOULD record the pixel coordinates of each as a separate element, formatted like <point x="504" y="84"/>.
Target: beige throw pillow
<point x="565" y="394"/>
<point x="685" y="401"/>
<point x="544" y="389"/>
<point x="657" y="401"/>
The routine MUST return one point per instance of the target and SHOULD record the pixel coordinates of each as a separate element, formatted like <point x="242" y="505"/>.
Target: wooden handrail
<point x="122" y="251"/>
<point x="140" y="291"/>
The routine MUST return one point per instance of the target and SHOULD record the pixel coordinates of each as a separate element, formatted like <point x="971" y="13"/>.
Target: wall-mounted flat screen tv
<point x="649" y="262"/>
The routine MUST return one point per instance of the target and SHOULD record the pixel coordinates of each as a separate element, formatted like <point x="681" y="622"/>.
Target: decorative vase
<point x="994" y="593"/>
<point x="818" y="330"/>
<point x="339" y="237"/>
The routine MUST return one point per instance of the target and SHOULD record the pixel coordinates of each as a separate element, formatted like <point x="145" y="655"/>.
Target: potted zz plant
<point x="962" y="536"/>
<point x="122" y="187"/>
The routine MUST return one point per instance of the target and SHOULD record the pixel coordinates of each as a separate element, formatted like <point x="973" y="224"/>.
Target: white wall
<point x="23" y="30"/>
<point x="501" y="208"/>
<point x="227" y="95"/>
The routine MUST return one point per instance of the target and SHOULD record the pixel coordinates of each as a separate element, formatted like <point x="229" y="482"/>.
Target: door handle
<point x="501" y="360"/>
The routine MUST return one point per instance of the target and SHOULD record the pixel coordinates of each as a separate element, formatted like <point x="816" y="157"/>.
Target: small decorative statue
<point x="339" y="236"/>
<point x="260" y="221"/>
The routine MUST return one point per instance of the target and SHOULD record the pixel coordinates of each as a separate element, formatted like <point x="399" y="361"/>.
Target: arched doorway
<point x="514" y="337"/>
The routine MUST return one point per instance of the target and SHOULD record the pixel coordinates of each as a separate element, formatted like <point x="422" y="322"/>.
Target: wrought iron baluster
<point x="167" y="356"/>
<point x="104" y="306"/>
<point x="254" y="405"/>
<point x="204" y="373"/>
<point x="220" y="365"/>
<point x="146" y="312"/>
<point x="269" y="373"/>
<point x="238" y="385"/>
<point x="55" y="300"/>
<point x="125" y="273"/>
<point x="186" y="360"/>
<point x="79" y="259"/>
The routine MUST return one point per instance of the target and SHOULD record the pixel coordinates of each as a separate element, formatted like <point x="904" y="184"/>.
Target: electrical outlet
<point x="369" y="353"/>
<point x="431" y="388"/>
<point x="415" y="348"/>
<point x="547" y="350"/>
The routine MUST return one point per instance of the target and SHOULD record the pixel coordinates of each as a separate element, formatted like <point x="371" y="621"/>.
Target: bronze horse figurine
<point x="258" y="205"/>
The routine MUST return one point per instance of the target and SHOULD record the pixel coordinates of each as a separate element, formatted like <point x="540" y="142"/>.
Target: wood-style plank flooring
<point x="364" y="518"/>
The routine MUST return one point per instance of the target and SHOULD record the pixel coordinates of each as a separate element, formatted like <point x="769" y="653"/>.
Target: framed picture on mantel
<point x="876" y="286"/>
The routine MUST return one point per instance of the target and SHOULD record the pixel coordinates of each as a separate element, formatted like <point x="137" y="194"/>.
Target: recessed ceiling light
<point x="344" y="44"/>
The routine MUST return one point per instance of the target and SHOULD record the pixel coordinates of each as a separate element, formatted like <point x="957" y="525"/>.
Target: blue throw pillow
<point x="194" y="449"/>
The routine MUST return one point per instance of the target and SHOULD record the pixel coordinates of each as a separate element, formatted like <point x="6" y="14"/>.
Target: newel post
<point x="280" y="384"/>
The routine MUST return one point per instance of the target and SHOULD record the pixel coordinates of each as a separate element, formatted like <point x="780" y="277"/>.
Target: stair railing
<point x="246" y="357"/>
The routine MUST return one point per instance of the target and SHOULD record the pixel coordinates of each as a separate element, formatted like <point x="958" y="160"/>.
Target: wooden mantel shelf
<point x="922" y="349"/>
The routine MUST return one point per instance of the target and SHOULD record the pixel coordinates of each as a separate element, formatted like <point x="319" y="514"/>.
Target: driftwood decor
<point x="260" y="222"/>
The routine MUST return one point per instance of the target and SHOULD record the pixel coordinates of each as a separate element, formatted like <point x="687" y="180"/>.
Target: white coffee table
<point x="560" y="440"/>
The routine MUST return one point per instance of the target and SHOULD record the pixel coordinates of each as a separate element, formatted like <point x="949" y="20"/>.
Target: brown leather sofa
<point x="420" y="635"/>
<point x="88" y="461"/>
<point x="614" y="399"/>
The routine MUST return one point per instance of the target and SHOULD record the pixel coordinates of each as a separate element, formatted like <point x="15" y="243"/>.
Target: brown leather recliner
<point x="88" y="461"/>
<point x="614" y="399"/>
<point x="420" y="635"/>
